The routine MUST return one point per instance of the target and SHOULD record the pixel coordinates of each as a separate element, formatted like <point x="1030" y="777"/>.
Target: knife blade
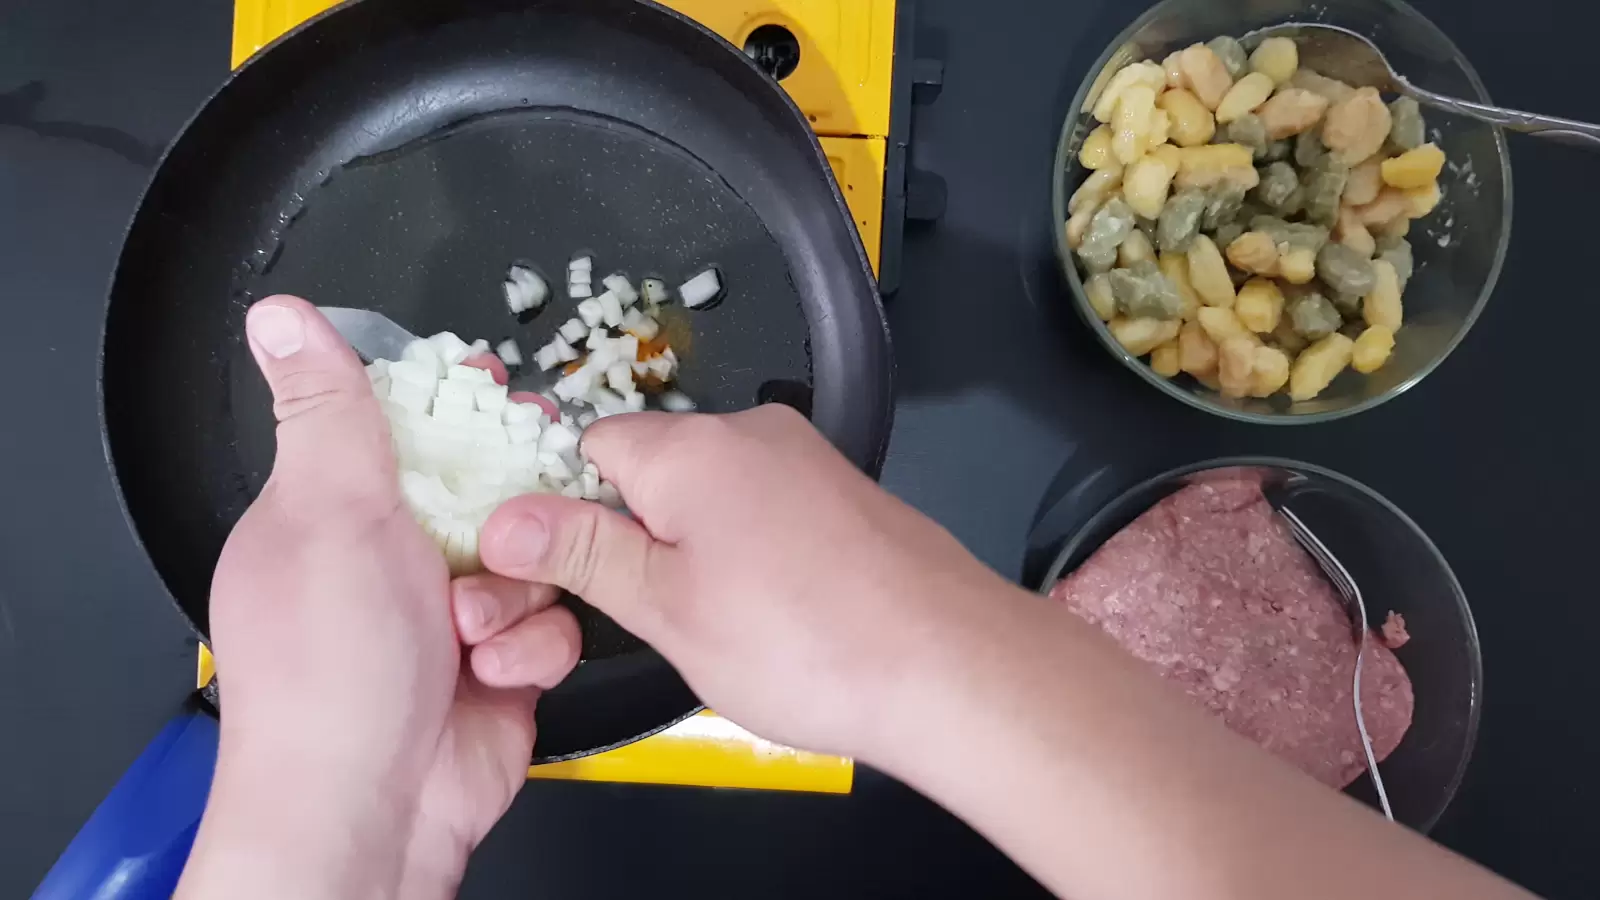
<point x="373" y="335"/>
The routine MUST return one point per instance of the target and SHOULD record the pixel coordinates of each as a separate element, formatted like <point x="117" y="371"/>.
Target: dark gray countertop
<point x="1000" y="393"/>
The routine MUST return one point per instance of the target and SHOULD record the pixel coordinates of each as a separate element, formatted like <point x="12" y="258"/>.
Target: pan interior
<point x="400" y="155"/>
<point x="424" y="233"/>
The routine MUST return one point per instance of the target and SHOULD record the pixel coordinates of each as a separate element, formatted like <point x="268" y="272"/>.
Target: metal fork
<point x="1356" y="608"/>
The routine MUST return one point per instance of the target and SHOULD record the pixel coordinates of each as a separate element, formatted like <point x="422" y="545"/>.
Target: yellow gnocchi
<point x="1096" y="150"/>
<point x="1130" y="136"/>
<point x="1414" y="168"/>
<point x="1208" y="274"/>
<point x="1140" y="73"/>
<point x="1259" y="305"/>
<point x="1101" y="299"/>
<point x="1317" y="365"/>
<point x="1382" y="306"/>
<point x="1142" y="335"/>
<point x="1145" y="185"/>
<point x="1190" y="123"/>
<point x="1372" y="349"/>
<point x="1164" y="360"/>
<point x="1245" y="96"/>
<point x="1270" y="371"/>
<point x="1277" y="58"/>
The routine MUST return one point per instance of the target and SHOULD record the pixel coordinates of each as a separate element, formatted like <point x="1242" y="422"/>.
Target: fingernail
<point x="278" y="330"/>
<point x="525" y="543"/>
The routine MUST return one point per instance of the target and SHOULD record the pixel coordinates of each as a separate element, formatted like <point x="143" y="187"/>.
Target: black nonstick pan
<point x="399" y="155"/>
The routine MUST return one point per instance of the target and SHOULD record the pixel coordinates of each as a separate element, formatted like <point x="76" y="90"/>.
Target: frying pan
<point x="400" y="155"/>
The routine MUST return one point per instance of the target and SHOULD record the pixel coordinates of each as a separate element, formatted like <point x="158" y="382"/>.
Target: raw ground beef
<point x="1210" y="588"/>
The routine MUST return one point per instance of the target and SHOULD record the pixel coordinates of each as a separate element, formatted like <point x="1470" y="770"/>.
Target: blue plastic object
<point x="136" y="843"/>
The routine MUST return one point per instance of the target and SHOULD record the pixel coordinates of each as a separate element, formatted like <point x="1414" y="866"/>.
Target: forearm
<point x="1107" y="785"/>
<point x="270" y="831"/>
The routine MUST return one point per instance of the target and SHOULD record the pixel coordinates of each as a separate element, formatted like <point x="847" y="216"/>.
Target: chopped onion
<point x="579" y="291"/>
<point x="516" y="300"/>
<point x="464" y="446"/>
<point x="611" y="307"/>
<point x="662" y="367"/>
<point x="509" y="352"/>
<point x="450" y="349"/>
<point x="574" y="330"/>
<point x="476" y="347"/>
<point x="678" y="402"/>
<point x="532" y="289"/>
<point x="590" y="313"/>
<point x="581" y="264"/>
<point x="619" y="376"/>
<point x="641" y="326"/>
<point x="622" y="288"/>
<point x="701" y="289"/>
<point x="546" y="357"/>
<point x="560" y="350"/>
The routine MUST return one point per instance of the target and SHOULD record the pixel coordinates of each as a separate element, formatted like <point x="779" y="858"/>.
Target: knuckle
<point x="298" y="393"/>
<point x="580" y="557"/>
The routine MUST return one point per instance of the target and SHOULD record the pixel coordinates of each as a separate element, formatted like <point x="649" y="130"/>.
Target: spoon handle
<point x="1566" y="131"/>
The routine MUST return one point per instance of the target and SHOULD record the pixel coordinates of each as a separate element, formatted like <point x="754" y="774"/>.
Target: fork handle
<point x="1555" y="128"/>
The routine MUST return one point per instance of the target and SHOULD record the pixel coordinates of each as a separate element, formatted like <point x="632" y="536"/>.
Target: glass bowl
<point x="1397" y="568"/>
<point x="1459" y="248"/>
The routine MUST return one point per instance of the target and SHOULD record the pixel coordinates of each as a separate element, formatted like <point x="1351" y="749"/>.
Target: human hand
<point x="358" y="756"/>
<point x="795" y="595"/>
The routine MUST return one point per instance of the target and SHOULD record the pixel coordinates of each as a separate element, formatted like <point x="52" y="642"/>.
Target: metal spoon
<point x="1343" y="54"/>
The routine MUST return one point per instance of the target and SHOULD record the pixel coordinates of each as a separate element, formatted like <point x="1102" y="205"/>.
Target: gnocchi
<point x="1254" y="252"/>
<point x="1414" y="168"/>
<point x="1277" y="58"/>
<point x="1164" y="360"/>
<point x="1098" y="289"/>
<point x="1190" y="123"/>
<point x="1269" y="372"/>
<point x="1145" y="185"/>
<point x="1197" y="353"/>
<point x="1245" y="96"/>
<point x="1208" y="274"/>
<point x="1236" y="364"/>
<point x="1259" y="305"/>
<point x="1095" y="153"/>
<point x="1145" y="73"/>
<point x="1292" y="111"/>
<point x="1132" y="123"/>
<point x="1372" y="349"/>
<point x="1242" y="218"/>
<point x="1176" y="267"/>
<point x="1317" y="365"/>
<point x="1220" y="323"/>
<point x="1205" y="74"/>
<point x="1357" y="126"/>
<point x="1136" y="248"/>
<point x="1381" y="306"/>
<point x="1142" y="335"/>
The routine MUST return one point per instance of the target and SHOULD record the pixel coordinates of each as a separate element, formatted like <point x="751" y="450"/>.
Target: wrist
<point x="274" y="827"/>
<point x="943" y="675"/>
<point x="435" y="862"/>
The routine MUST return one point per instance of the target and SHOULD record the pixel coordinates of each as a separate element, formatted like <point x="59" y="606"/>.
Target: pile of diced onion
<point x="465" y="445"/>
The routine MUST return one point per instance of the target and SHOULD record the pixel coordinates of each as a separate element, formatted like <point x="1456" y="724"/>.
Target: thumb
<point x="602" y="556"/>
<point x="332" y="437"/>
